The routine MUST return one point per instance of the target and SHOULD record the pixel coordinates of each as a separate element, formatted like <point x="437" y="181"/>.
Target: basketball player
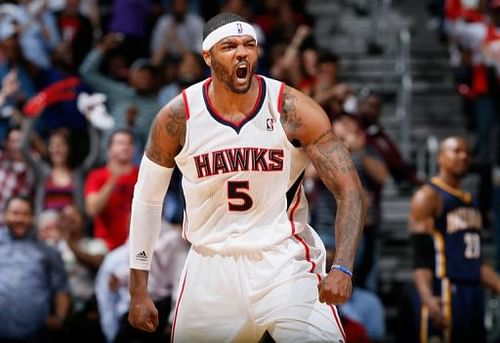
<point x="445" y="227"/>
<point x="242" y="142"/>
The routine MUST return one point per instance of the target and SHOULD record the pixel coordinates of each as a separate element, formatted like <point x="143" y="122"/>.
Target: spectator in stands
<point x="354" y="330"/>
<point x="111" y="287"/>
<point x="37" y="30"/>
<point x="15" y="177"/>
<point x="33" y="290"/>
<point x="9" y="89"/>
<point x="280" y="19"/>
<point x="482" y="38"/>
<point x="109" y="190"/>
<point x="59" y="181"/>
<point x="286" y="59"/>
<point x="366" y="308"/>
<point x="28" y="74"/>
<point x="113" y="280"/>
<point x="189" y="71"/>
<point x="369" y="110"/>
<point x="325" y="87"/>
<point x="31" y="80"/>
<point x="76" y="35"/>
<point x="81" y="255"/>
<point x="133" y="104"/>
<point x="131" y="19"/>
<point x="48" y="229"/>
<point x="177" y="32"/>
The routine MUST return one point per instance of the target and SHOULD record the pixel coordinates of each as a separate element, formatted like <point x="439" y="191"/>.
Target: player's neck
<point x="230" y="103"/>
<point x="450" y="180"/>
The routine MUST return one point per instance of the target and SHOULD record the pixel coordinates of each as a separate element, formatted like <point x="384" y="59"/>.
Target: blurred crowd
<point x="81" y="82"/>
<point x="472" y="32"/>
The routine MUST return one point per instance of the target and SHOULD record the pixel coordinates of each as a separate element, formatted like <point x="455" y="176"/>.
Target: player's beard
<point x="227" y="77"/>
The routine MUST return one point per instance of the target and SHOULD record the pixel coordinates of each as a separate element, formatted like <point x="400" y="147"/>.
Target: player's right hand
<point x="142" y="313"/>
<point x="436" y="312"/>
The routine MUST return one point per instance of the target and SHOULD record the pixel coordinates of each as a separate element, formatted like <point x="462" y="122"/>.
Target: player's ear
<point x="207" y="57"/>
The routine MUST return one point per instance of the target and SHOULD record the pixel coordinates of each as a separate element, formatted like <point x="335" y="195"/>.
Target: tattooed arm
<point x="305" y="121"/>
<point x="167" y="137"/>
<point x="167" y="133"/>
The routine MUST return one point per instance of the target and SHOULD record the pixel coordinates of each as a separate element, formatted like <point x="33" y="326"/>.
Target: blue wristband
<point x="342" y="269"/>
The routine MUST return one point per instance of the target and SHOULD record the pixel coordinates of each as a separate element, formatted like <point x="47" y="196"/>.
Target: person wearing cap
<point x="242" y="142"/>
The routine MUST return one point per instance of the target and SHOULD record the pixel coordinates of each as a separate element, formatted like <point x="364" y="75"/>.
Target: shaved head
<point x="454" y="156"/>
<point x="451" y="142"/>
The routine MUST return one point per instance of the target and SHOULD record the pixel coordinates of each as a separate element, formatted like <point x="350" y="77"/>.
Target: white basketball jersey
<point x="242" y="182"/>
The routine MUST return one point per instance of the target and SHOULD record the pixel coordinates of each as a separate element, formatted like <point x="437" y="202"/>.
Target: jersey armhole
<point x="186" y="105"/>
<point x="280" y="97"/>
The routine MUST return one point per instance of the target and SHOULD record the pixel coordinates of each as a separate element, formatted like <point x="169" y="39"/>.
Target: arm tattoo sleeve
<point x="289" y="117"/>
<point x="170" y="125"/>
<point x="334" y="165"/>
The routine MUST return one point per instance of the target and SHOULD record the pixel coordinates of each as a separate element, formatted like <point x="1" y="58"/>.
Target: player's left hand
<point x="335" y="288"/>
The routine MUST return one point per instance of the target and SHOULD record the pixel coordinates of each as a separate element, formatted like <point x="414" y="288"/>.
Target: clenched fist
<point x="335" y="288"/>
<point x="143" y="314"/>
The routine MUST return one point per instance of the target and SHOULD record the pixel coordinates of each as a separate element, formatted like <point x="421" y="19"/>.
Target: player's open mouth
<point x="242" y="72"/>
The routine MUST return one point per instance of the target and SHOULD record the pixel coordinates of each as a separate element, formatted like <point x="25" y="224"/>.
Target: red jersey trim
<point x="177" y="307"/>
<point x="292" y="211"/>
<point x="307" y="252"/>
<point x="235" y="125"/>
<point x="280" y="97"/>
<point x="186" y="105"/>
<point x="334" y="312"/>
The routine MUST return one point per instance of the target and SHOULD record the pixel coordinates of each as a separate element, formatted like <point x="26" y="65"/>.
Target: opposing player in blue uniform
<point x="445" y="226"/>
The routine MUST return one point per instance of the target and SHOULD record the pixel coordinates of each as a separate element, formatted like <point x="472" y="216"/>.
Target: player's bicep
<point x="167" y="133"/>
<point x="302" y="118"/>
<point x="422" y="210"/>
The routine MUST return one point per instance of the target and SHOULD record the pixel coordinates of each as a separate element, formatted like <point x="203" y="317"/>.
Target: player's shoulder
<point x="425" y="192"/>
<point x="270" y="80"/>
<point x="425" y="197"/>
<point x="180" y="104"/>
<point x="176" y="109"/>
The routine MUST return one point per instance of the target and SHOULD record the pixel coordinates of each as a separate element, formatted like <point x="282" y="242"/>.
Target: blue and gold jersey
<point x="457" y="235"/>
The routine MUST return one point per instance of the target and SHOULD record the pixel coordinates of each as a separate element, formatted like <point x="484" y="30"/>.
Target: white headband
<point x="235" y="28"/>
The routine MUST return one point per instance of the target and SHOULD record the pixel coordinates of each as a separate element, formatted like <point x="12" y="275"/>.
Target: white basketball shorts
<point x="237" y="297"/>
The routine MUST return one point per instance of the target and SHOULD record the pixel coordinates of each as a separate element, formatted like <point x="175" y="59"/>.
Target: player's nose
<point x="241" y="51"/>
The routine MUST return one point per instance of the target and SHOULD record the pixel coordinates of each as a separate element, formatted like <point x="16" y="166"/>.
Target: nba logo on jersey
<point x="239" y="27"/>
<point x="270" y="124"/>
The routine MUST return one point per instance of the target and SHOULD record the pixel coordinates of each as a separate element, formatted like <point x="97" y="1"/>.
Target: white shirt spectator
<point x="189" y="32"/>
<point x="33" y="20"/>
<point x="166" y="267"/>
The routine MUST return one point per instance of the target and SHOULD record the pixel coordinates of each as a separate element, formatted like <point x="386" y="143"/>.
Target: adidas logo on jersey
<point x="142" y="255"/>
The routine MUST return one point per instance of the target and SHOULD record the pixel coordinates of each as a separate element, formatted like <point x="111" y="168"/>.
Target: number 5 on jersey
<point x="238" y="198"/>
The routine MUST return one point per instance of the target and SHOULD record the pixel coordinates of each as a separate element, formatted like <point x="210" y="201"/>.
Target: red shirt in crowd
<point x="112" y="223"/>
